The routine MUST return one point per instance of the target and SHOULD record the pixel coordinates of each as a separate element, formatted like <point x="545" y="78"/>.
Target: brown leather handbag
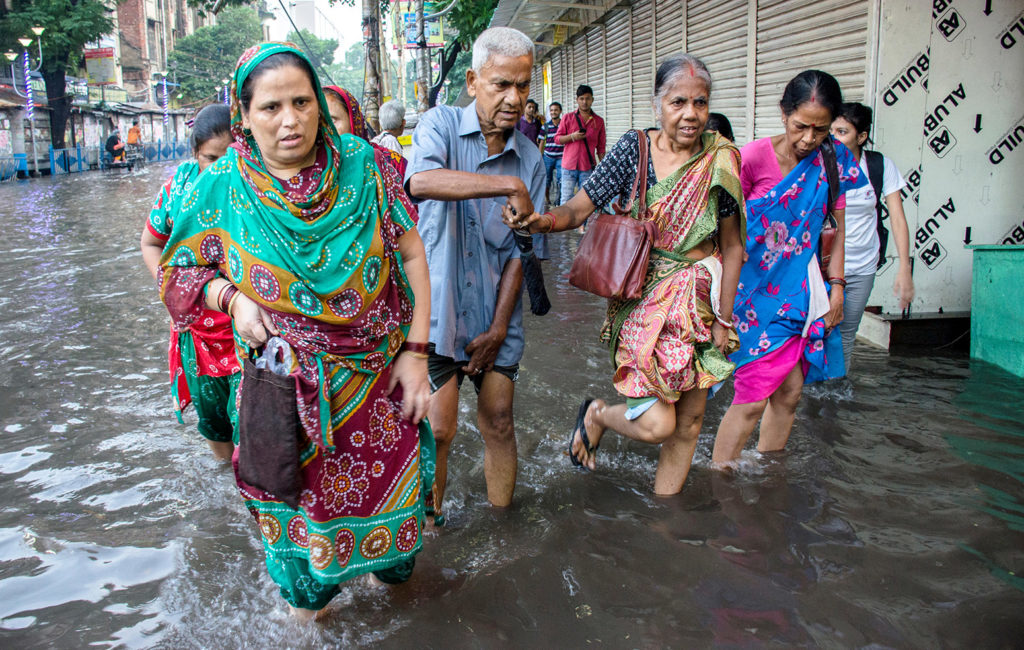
<point x="612" y="258"/>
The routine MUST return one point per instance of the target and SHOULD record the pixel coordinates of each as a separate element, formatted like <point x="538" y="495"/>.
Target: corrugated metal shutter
<point x="794" y="35"/>
<point x="579" y="68"/>
<point x="716" y="32"/>
<point x="537" y="88"/>
<point x="642" y="64"/>
<point x="557" y="77"/>
<point x="668" y="28"/>
<point x="617" y="64"/>
<point x="596" y="68"/>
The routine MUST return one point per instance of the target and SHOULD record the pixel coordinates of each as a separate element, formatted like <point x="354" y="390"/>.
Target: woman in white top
<point x="863" y="255"/>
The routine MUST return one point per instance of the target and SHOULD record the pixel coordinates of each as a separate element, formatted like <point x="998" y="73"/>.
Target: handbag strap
<point x="640" y="180"/>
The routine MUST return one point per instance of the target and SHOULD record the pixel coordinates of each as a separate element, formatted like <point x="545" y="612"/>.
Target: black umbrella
<point x="533" y="276"/>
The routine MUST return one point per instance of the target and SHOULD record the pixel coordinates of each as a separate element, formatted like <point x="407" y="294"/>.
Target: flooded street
<point x="895" y="518"/>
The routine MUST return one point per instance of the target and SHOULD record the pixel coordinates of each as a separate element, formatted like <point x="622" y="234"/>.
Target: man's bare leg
<point x="444" y="421"/>
<point x="494" y="417"/>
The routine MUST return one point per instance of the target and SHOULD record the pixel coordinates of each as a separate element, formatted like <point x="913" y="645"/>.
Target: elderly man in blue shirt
<point x="466" y="164"/>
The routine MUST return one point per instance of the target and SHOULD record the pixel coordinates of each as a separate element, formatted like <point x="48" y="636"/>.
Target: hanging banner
<point x="99" y="66"/>
<point x="404" y="24"/>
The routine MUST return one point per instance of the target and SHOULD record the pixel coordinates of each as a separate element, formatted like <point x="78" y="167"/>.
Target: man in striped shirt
<point x="552" y="152"/>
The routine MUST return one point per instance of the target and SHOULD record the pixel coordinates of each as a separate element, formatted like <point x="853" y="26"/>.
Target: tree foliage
<point x="201" y="59"/>
<point x="69" y="26"/>
<point x="348" y="73"/>
<point x="467" y="20"/>
<point x="319" y="50"/>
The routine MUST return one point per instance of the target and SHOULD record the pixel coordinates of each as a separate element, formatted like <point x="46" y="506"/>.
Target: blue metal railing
<point x="79" y="159"/>
<point x="9" y="166"/>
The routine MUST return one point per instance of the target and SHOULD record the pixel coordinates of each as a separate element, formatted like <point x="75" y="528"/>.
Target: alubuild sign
<point x="950" y="113"/>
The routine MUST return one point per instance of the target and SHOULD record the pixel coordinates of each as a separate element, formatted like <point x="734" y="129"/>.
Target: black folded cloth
<point x="533" y="276"/>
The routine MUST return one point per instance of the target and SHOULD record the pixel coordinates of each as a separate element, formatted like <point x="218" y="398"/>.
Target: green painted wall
<point x="997" y="307"/>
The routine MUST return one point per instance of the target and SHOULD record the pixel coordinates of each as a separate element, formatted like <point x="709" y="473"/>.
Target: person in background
<point x="720" y="123"/>
<point x="786" y="311"/>
<point x="134" y="134"/>
<point x="582" y="133"/>
<point x="864" y="248"/>
<point x="552" y="154"/>
<point x="392" y="121"/>
<point x="298" y="234"/>
<point x="668" y="346"/>
<point x="530" y="123"/>
<point x="115" y="147"/>
<point x="204" y="368"/>
<point x="466" y="164"/>
<point x="347" y="116"/>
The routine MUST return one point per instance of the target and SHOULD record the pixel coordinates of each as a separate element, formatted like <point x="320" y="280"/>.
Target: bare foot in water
<point x="306" y="615"/>
<point x="594" y="434"/>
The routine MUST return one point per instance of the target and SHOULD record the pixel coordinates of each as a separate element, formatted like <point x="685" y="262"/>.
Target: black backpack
<point x="876" y="170"/>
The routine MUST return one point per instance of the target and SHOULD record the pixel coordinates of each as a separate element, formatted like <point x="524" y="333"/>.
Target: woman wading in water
<point x="668" y="346"/>
<point x="297" y="234"/>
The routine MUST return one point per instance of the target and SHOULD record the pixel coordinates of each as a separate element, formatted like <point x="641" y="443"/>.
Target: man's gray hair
<point x="392" y="114"/>
<point x="504" y="41"/>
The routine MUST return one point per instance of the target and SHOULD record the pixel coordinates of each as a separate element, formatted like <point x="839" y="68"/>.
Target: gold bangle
<point x="416" y="355"/>
<point x="231" y="303"/>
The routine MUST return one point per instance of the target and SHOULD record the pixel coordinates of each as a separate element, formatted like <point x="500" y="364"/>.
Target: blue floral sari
<point x="774" y="295"/>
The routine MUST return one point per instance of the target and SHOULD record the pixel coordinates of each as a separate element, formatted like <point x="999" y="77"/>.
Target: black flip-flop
<point x="582" y="428"/>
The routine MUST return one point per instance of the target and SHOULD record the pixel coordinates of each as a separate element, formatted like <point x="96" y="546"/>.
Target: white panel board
<point x="962" y="77"/>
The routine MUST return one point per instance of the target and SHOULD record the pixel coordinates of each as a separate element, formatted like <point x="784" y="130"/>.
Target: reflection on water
<point x="894" y="519"/>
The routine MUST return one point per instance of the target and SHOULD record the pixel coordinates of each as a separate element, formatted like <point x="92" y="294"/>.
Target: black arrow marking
<point x="977" y="123"/>
<point x="967" y="235"/>
<point x="988" y="8"/>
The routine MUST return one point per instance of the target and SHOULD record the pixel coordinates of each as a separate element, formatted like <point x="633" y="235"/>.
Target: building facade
<point x="945" y="78"/>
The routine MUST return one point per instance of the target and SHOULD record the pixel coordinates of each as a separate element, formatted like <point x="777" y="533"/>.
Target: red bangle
<point x="224" y="299"/>
<point x="840" y="281"/>
<point x="411" y="346"/>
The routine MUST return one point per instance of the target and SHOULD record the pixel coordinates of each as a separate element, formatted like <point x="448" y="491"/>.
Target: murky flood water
<point x="895" y="519"/>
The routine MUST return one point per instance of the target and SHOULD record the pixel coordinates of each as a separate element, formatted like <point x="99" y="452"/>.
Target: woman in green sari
<point x="296" y="233"/>
<point x="668" y="346"/>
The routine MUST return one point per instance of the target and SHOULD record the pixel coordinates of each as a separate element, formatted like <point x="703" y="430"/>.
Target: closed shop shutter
<point x="579" y="68"/>
<point x="794" y="35"/>
<point x="560" y="74"/>
<point x="668" y="28"/>
<point x="617" y="64"/>
<point x="596" y="68"/>
<point x="642" y="64"/>
<point x="537" y="87"/>
<point x="716" y="33"/>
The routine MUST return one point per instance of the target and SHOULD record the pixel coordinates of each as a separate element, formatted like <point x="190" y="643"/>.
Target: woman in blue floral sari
<point x="786" y="311"/>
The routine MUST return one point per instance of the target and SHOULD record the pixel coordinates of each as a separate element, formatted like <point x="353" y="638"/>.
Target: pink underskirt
<point x="757" y="380"/>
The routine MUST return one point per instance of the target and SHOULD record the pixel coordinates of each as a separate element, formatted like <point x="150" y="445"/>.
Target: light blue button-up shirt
<point x="467" y="243"/>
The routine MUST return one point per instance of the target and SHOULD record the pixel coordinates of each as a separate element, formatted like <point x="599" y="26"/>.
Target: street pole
<point x="422" y="62"/>
<point x="385" y="59"/>
<point x="30" y="109"/>
<point x="371" y="67"/>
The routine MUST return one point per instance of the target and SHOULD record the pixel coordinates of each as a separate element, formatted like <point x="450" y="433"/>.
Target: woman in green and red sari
<point x="668" y="347"/>
<point x="297" y="233"/>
